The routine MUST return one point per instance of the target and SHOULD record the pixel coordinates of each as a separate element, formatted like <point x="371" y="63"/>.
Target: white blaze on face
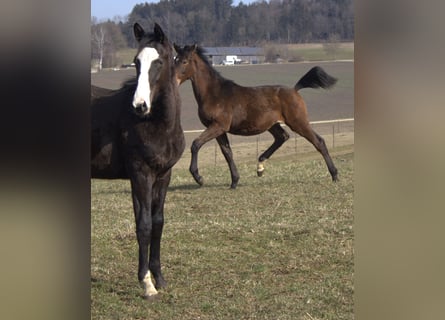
<point x="147" y="284"/>
<point x="143" y="91"/>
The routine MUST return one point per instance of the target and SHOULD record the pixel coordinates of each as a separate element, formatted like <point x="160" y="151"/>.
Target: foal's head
<point x="154" y="55"/>
<point x="184" y="66"/>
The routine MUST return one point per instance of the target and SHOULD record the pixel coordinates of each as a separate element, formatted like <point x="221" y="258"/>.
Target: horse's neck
<point x="171" y="112"/>
<point x="205" y="81"/>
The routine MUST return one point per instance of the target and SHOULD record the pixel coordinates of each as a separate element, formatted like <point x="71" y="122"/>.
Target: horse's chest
<point x="209" y="112"/>
<point x="158" y="150"/>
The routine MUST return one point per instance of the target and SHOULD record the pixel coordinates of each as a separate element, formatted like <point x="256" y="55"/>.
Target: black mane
<point x="201" y="52"/>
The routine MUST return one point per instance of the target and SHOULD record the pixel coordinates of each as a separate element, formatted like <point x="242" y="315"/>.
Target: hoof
<point x="260" y="168"/>
<point x="199" y="180"/>
<point x="335" y="178"/>
<point x="160" y="284"/>
<point x="235" y="180"/>
<point x="152" y="298"/>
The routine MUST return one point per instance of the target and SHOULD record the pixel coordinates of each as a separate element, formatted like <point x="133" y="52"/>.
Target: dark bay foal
<point x="226" y="107"/>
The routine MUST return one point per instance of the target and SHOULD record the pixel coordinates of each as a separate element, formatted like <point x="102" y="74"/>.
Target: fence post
<point x="215" y="152"/>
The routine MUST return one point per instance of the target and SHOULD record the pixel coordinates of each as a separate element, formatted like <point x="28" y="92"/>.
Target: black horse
<point x="137" y="135"/>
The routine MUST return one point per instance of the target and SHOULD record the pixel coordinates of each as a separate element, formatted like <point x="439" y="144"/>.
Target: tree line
<point x="219" y="23"/>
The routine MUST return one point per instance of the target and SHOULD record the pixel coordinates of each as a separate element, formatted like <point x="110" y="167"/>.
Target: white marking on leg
<point x="260" y="167"/>
<point x="147" y="285"/>
<point x="143" y="90"/>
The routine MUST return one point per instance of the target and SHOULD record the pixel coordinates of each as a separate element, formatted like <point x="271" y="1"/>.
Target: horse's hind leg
<point x="224" y="144"/>
<point x="317" y="141"/>
<point x="280" y="136"/>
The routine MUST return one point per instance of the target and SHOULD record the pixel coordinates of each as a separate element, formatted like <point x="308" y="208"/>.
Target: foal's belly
<point x="246" y="131"/>
<point x="254" y="123"/>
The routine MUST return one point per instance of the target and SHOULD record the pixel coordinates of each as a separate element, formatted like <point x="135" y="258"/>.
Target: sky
<point x="108" y="9"/>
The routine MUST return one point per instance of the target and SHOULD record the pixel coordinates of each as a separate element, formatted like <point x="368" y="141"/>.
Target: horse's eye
<point x="184" y="61"/>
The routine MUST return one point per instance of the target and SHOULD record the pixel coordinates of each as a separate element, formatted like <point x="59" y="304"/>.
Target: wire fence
<point x="337" y="133"/>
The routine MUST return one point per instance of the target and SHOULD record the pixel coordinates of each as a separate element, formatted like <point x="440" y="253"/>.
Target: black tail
<point x="316" y="78"/>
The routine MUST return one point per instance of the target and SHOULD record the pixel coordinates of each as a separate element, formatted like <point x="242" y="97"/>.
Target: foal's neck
<point x="205" y="80"/>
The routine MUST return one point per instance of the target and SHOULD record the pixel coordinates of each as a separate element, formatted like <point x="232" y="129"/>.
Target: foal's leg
<point x="304" y="129"/>
<point x="224" y="144"/>
<point x="280" y="136"/>
<point x="159" y="193"/>
<point x="213" y="131"/>
<point x="141" y="190"/>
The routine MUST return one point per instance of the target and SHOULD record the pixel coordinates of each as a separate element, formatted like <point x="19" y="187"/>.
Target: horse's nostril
<point x="141" y="107"/>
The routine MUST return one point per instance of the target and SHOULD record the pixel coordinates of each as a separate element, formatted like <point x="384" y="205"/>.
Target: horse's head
<point x="184" y="66"/>
<point x="153" y="56"/>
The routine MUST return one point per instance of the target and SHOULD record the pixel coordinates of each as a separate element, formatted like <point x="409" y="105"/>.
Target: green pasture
<point x="277" y="247"/>
<point x="318" y="53"/>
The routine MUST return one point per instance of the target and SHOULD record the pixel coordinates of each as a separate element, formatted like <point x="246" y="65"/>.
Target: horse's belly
<point x="250" y="127"/>
<point x="245" y="131"/>
<point x="107" y="164"/>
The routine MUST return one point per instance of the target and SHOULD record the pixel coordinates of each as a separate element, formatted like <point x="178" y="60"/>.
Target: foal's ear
<point x="194" y="47"/>
<point x="138" y="31"/>
<point x="159" y="33"/>
<point x="177" y="48"/>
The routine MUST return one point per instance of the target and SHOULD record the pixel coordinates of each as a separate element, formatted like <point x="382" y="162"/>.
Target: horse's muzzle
<point x="142" y="109"/>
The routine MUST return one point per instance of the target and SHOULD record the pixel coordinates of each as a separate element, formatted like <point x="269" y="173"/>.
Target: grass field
<point x="277" y="247"/>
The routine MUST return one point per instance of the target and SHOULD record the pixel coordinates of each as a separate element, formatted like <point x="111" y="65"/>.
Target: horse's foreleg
<point x="224" y="145"/>
<point x="141" y="191"/>
<point x="210" y="133"/>
<point x="280" y="135"/>
<point x="159" y="193"/>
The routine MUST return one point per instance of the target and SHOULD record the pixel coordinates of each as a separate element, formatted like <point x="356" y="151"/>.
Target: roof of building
<point x="239" y="51"/>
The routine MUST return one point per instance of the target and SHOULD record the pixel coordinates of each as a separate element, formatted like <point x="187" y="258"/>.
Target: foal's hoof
<point x="260" y="169"/>
<point x="199" y="180"/>
<point x="334" y="178"/>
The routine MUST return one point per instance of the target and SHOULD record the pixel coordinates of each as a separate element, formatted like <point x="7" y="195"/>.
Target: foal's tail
<point x="315" y="78"/>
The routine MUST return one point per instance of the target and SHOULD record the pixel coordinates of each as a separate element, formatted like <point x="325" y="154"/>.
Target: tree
<point x="98" y="39"/>
<point x="106" y="40"/>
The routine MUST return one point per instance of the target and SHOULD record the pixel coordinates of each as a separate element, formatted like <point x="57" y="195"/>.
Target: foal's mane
<point x="200" y="51"/>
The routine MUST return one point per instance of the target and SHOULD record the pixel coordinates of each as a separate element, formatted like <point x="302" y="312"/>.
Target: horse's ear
<point x="194" y="47"/>
<point x="138" y="31"/>
<point x="159" y="33"/>
<point x="177" y="48"/>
